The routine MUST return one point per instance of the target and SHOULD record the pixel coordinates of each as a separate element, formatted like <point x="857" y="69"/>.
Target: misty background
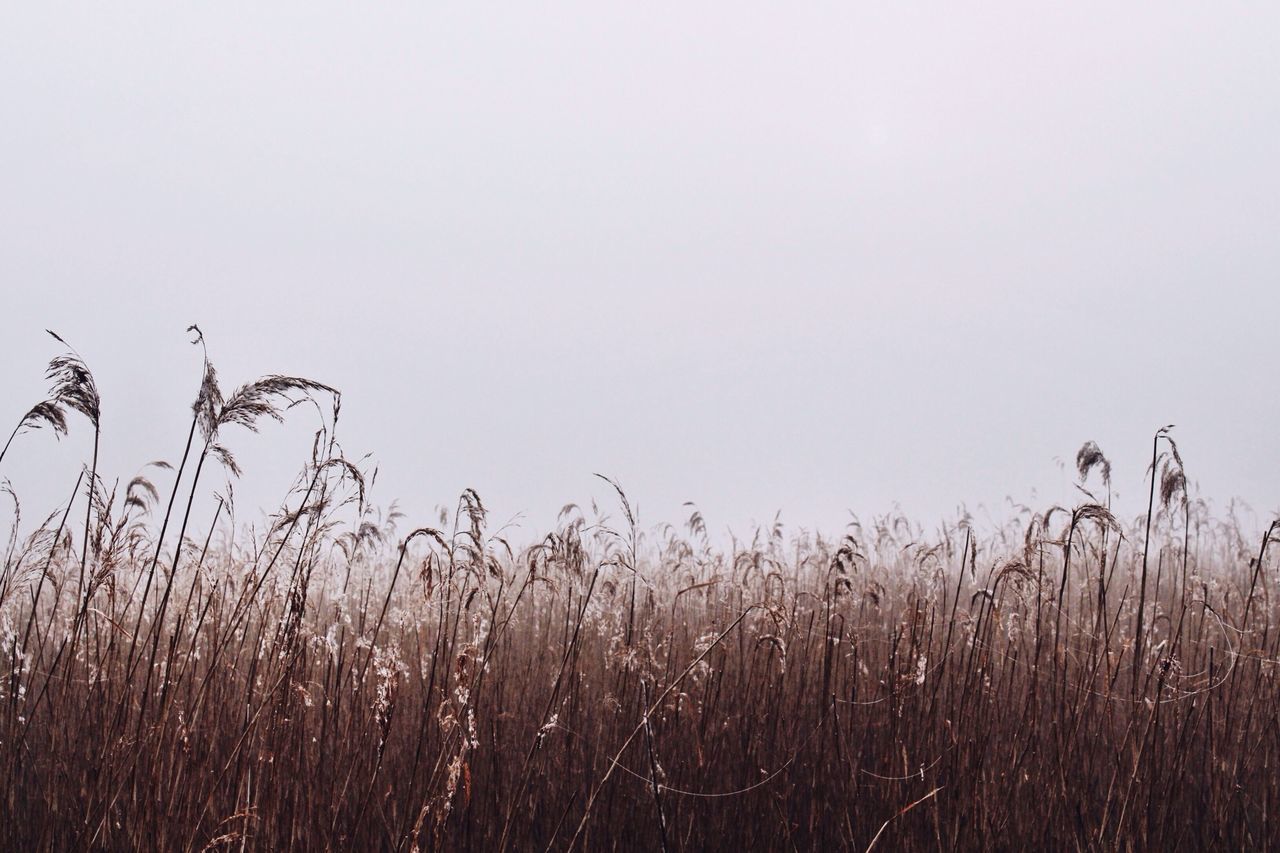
<point x="815" y="258"/>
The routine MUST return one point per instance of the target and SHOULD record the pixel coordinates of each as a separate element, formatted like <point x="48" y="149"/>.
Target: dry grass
<point x="1066" y="681"/>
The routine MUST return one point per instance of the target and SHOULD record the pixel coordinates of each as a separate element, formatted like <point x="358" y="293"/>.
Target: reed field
<point x="343" y="678"/>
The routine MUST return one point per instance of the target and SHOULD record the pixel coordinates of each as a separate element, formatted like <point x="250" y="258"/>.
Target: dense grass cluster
<point x="337" y="680"/>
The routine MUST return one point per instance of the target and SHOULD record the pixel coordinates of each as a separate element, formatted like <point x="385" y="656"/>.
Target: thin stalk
<point x="1146" y="548"/>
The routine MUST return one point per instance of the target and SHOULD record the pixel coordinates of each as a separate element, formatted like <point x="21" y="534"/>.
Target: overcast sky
<point x="757" y="256"/>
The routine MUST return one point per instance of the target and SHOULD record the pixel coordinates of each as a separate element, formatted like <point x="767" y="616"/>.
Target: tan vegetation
<point x="336" y="681"/>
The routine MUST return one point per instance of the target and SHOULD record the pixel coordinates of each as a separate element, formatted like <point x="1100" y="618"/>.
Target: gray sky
<point x="758" y="256"/>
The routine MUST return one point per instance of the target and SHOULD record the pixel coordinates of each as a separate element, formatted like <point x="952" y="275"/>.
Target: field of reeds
<point x="343" y="678"/>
